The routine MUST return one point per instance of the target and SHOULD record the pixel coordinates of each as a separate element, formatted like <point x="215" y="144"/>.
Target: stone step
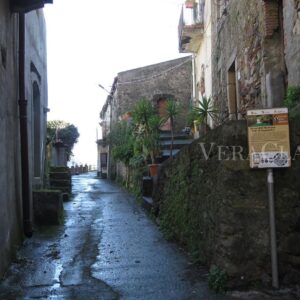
<point x="167" y="153"/>
<point x="59" y="175"/>
<point x="63" y="189"/>
<point x="60" y="170"/>
<point x="48" y="207"/>
<point x="147" y="203"/>
<point x="60" y="182"/>
<point x="177" y="144"/>
<point x="168" y="136"/>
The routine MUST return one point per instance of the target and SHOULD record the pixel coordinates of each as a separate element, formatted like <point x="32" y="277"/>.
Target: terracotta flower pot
<point x="153" y="169"/>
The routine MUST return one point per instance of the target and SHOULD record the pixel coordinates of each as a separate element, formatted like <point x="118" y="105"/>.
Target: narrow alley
<point x="108" y="248"/>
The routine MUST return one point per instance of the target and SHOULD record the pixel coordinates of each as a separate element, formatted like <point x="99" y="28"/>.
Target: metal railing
<point x="191" y="18"/>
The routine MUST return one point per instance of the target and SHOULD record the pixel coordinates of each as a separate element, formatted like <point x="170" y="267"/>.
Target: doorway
<point x="161" y="107"/>
<point x="232" y="93"/>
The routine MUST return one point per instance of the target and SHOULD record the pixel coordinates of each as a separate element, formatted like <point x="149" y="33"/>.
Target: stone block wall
<point x="291" y="17"/>
<point x="60" y="179"/>
<point x="170" y="79"/>
<point x="213" y="203"/>
<point x="248" y="40"/>
<point x="48" y="207"/>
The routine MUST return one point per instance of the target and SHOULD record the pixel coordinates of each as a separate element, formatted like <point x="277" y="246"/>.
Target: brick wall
<point x="271" y="11"/>
<point x="291" y="20"/>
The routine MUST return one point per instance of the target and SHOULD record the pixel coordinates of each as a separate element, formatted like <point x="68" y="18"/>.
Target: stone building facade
<point x="157" y="83"/>
<point x="167" y="80"/>
<point x="35" y="90"/>
<point x="291" y="29"/>
<point x="255" y="54"/>
<point x="254" y="58"/>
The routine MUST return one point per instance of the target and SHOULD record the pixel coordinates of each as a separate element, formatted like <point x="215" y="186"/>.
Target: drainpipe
<point x="194" y="77"/>
<point x="109" y="168"/>
<point x="27" y="212"/>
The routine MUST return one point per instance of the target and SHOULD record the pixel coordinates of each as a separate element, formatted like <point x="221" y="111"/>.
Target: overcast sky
<point x="89" y="42"/>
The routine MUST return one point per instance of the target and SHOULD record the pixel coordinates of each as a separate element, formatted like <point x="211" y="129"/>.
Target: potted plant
<point x="147" y="124"/>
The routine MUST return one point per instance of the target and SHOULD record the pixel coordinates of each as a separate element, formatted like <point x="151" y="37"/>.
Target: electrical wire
<point x="145" y="79"/>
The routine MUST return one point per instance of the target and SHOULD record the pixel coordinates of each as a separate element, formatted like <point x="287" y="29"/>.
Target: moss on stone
<point x="218" y="209"/>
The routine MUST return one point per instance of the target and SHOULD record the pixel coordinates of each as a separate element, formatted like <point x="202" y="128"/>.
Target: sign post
<point x="274" y="262"/>
<point x="269" y="147"/>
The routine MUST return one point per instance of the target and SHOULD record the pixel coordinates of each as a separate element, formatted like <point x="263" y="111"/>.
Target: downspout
<point x="194" y="78"/>
<point x="27" y="212"/>
<point x="111" y="101"/>
<point x="109" y="171"/>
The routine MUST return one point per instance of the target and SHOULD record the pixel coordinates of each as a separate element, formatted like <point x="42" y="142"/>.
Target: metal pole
<point x="270" y="179"/>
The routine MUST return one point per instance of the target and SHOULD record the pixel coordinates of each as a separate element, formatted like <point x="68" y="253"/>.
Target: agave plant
<point x="204" y="110"/>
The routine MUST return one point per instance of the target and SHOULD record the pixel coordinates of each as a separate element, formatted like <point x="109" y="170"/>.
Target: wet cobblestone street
<point x="107" y="248"/>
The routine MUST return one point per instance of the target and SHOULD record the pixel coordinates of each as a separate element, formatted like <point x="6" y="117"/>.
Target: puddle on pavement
<point x="57" y="272"/>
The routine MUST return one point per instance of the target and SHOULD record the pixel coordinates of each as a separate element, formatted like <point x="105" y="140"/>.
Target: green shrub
<point x="122" y="142"/>
<point x="292" y="97"/>
<point x="217" y="279"/>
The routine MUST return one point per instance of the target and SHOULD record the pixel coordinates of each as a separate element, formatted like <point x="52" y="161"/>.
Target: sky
<point x="89" y="42"/>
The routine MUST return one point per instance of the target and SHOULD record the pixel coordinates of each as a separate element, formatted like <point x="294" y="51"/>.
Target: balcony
<point x="191" y="26"/>
<point x="18" y="6"/>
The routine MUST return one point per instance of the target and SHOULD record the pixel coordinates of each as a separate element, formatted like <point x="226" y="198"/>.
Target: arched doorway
<point x="161" y="104"/>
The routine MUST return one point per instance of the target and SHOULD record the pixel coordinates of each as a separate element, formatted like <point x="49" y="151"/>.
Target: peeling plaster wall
<point x="203" y="59"/>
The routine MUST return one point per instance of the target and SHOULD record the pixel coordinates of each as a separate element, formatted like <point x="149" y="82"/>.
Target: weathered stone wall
<point x="167" y="79"/>
<point x="121" y="171"/>
<point x="247" y="38"/>
<point x="10" y="164"/>
<point x="218" y="207"/>
<point x="291" y="17"/>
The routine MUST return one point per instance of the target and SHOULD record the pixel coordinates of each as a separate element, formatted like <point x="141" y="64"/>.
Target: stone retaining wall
<point x="218" y="207"/>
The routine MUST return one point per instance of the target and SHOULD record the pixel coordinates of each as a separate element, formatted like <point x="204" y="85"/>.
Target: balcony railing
<point x="191" y="26"/>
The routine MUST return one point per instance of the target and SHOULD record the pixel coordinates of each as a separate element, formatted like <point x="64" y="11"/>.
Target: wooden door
<point x="161" y="104"/>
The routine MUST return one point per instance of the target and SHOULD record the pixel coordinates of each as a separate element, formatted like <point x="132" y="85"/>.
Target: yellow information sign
<point x="268" y="138"/>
